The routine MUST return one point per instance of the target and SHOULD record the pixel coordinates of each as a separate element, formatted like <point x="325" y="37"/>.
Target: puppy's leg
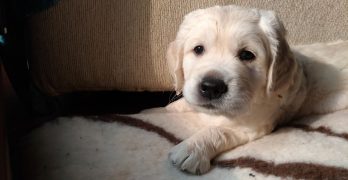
<point x="194" y="154"/>
<point x="180" y="105"/>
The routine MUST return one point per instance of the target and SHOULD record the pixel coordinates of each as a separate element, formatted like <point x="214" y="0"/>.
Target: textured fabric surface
<point x="120" y="45"/>
<point x="114" y="147"/>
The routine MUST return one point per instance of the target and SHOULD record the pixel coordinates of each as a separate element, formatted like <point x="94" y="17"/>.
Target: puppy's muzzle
<point x="212" y="88"/>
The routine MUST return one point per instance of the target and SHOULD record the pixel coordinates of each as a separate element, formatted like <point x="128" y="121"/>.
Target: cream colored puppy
<point x="235" y="68"/>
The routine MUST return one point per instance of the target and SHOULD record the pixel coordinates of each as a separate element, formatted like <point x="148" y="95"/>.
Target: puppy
<point x="234" y="66"/>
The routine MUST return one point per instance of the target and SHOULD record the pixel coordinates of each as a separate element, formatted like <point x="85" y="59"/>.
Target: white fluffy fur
<point x="279" y="85"/>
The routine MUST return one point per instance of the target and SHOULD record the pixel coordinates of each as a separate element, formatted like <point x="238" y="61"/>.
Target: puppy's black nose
<point x="212" y="88"/>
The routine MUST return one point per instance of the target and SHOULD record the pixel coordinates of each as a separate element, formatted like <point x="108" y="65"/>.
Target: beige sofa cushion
<point x="81" y="45"/>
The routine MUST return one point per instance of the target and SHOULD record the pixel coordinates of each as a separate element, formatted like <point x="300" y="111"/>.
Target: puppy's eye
<point x="245" y="55"/>
<point x="199" y="50"/>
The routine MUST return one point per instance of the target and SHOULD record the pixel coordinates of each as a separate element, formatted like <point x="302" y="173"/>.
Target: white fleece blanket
<point x="136" y="147"/>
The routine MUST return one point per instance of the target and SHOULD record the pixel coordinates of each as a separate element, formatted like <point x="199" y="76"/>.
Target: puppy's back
<point x="326" y="69"/>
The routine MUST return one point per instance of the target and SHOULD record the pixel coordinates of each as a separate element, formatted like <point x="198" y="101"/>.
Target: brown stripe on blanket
<point x="321" y="129"/>
<point x="139" y="124"/>
<point x="298" y="170"/>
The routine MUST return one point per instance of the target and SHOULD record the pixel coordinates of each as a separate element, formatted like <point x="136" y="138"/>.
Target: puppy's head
<point x="224" y="57"/>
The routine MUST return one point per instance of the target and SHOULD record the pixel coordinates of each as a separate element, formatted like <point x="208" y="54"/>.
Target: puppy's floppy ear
<point x="282" y="65"/>
<point x="174" y="60"/>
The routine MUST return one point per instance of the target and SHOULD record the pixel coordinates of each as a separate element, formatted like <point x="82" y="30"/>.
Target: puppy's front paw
<point x="190" y="158"/>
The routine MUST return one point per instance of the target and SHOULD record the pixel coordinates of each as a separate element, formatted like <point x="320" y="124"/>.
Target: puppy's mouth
<point x="208" y="106"/>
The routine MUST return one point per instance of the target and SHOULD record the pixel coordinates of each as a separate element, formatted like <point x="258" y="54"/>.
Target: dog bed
<point x="136" y="147"/>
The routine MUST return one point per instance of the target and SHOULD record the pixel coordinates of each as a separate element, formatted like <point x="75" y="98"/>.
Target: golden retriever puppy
<point x="234" y="66"/>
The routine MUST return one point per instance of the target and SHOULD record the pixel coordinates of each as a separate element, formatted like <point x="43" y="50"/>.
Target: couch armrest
<point x="121" y="45"/>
